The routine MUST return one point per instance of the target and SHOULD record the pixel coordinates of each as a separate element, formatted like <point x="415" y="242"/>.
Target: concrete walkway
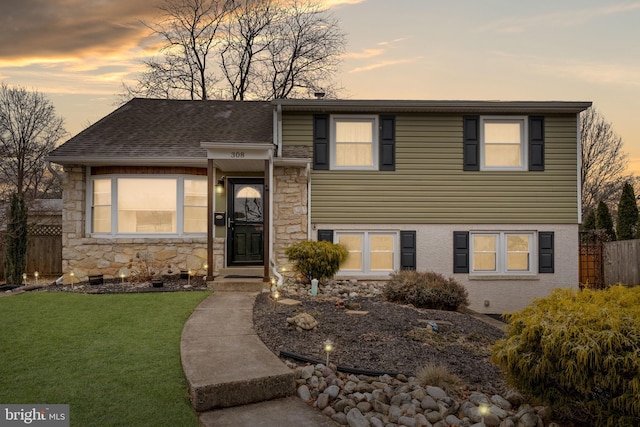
<point x="233" y="378"/>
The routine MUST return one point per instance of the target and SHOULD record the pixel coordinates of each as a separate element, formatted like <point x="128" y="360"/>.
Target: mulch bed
<point x="391" y="337"/>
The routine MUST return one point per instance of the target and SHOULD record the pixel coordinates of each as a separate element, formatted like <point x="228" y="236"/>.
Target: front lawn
<point x="115" y="359"/>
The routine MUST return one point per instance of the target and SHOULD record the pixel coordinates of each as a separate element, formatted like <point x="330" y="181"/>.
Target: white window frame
<point x="524" y="142"/>
<point x="375" y="144"/>
<point x="179" y="180"/>
<point x="366" y="252"/>
<point x="501" y="253"/>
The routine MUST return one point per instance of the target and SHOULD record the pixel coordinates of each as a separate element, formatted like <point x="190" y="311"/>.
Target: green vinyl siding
<point x="429" y="185"/>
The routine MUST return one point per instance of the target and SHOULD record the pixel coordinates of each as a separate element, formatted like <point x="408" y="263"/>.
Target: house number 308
<point x="237" y="154"/>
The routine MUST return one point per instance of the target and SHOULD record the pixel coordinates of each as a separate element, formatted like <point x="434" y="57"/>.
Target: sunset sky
<point x="78" y="52"/>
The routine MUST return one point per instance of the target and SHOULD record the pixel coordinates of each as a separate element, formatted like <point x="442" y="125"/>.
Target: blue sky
<point x="79" y="51"/>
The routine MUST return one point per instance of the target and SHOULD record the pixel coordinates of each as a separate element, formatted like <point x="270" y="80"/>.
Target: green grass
<point x="115" y="359"/>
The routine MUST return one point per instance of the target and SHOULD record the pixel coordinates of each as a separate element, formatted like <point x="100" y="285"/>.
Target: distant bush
<point x="579" y="353"/>
<point x="316" y="259"/>
<point x="426" y="290"/>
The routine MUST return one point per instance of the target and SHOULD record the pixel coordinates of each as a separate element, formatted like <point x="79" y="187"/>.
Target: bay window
<point x="149" y="205"/>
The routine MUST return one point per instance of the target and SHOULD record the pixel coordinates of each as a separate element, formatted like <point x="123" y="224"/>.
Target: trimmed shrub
<point x="579" y="353"/>
<point x="316" y="260"/>
<point x="426" y="290"/>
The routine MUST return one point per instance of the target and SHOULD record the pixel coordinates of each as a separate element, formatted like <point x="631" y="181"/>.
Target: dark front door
<point x="245" y="231"/>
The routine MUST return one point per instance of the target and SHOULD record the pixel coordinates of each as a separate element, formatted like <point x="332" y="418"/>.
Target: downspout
<point x="53" y="171"/>
<point x="579" y="168"/>
<point x="308" y="201"/>
<point x="277" y="137"/>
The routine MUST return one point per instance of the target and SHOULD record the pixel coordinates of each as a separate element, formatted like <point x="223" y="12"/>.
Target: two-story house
<point x="484" y="191"/>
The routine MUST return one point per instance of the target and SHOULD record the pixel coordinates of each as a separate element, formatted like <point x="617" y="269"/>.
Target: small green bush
<point x="426" y="290"/>
<point x="316" y="259"/>
<point x="579" y="353"/>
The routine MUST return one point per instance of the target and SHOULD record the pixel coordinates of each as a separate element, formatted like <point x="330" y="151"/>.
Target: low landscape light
<point x="484" y="411"/>
<point x="328" y="348"/>
<point x="122" y="276"/>
<point x="276" y="295"/>
<point x="36" y="274"/>
<point x="24" y="278"/>
<point x="71" y="276"/>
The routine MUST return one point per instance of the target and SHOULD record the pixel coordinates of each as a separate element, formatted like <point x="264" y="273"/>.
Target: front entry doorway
<point x="245" y="227"/>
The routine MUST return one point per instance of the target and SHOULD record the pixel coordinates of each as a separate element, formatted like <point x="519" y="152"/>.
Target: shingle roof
<point x="168" y="129"/>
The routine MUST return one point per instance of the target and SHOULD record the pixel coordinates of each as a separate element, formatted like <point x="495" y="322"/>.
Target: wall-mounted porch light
<point x="220" y="186"/>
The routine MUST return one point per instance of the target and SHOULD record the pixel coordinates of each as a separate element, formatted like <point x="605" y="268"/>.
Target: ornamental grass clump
<point x="579" y="353"/>
<point x="438" y="375"/>
<point x="426" y="290"/>
<point x="316" y="259"/>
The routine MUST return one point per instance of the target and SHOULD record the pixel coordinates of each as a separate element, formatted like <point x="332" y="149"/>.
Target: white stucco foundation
<point x="495" y="293"/>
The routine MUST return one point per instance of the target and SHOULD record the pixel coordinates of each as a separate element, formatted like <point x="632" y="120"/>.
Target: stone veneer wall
<point x="85" y="255"/>
<point x="290" y="210"/>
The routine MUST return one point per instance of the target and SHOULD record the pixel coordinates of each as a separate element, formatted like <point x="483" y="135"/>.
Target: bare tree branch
<point x="29" y="130"/>
<point x="246" y="39"/>
<point x="603" y="160"/>
<point x="265" y="49"/>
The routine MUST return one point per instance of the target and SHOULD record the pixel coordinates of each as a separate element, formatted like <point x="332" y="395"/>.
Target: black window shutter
<point x="536" y="143"/>
<point x="545" y="252"/>
<point x="321" y="142"/>
<point x="387" y="143"/>
<point x="471" y="138"/>
<point x="325" y="235"/>
<point x="460" y="251"/>
<point x="407" y="250"/>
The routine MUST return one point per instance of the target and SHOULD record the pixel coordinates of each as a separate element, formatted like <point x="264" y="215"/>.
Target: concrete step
<point x="225" y="362"/>
<point x="238" y="285"/>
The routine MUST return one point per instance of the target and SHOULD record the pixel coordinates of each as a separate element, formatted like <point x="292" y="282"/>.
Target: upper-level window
<point x="354" y="141"/>
<point x="503" y="143"/>
<point x="149" y="205"/>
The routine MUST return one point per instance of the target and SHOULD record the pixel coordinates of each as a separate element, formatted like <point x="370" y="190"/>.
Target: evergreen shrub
<point x="426" y="290"/>
<point x="316" y="259"/>
<point x="579" y="353"/>
<point x="15" y="256"/>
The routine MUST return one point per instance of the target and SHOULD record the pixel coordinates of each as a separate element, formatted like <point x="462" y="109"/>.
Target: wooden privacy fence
<point x="44" y="251"/>
<point x="621" y="262"/>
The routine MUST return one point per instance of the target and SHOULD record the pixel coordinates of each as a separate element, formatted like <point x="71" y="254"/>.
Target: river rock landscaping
<point x="388" y="345"/>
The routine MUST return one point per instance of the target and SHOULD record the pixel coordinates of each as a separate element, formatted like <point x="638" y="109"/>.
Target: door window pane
<point x="247" y="203"/>
<point x="147" y="205"/>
